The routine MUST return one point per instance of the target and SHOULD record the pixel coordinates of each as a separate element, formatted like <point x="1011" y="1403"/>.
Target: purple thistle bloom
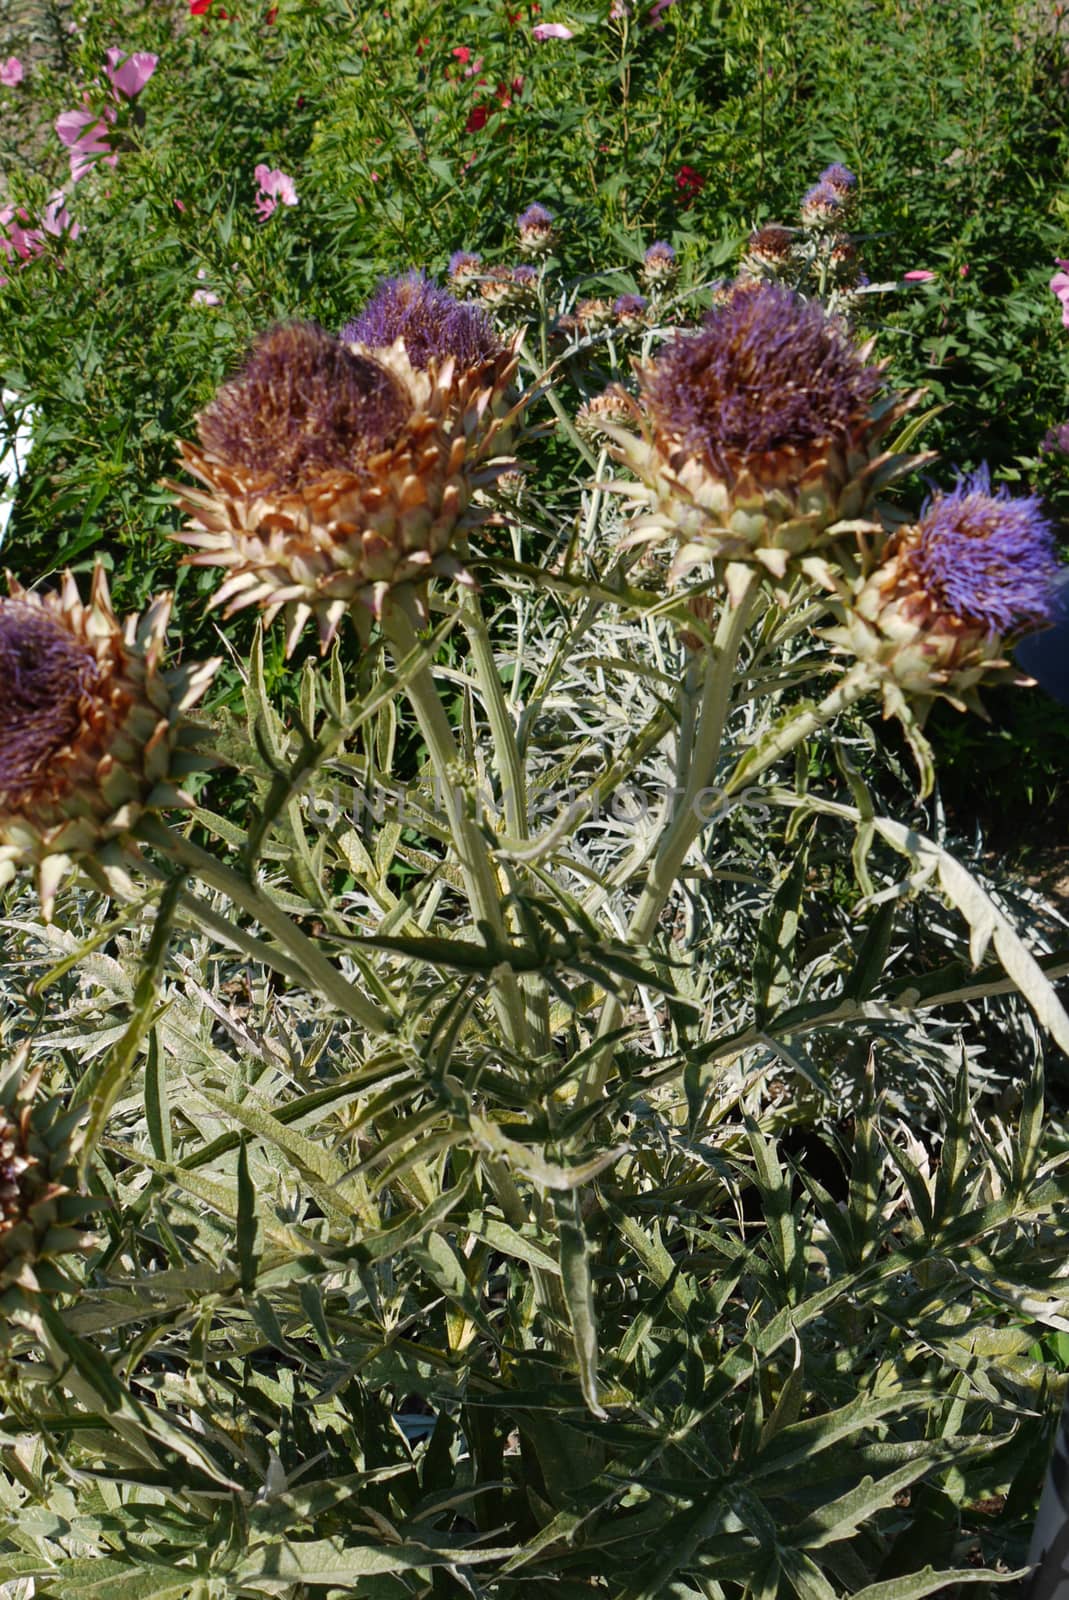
<point x="630" y="306"/>
<point x="536" y="216"/>
<point x="303" y="406"/>
<point x="768" y="372"/>
<point x="464" y="264"/>
<point x="47" y="676"/>
<point x="821" y="203"/>
<point x="524" y="274"/>
<point x="839" y="178"/>
<point x="659" y="260"/>
<point x="432" y="324"/>
<point x="987" y="558"/>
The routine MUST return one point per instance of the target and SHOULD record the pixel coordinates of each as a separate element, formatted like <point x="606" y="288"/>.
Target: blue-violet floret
<point x="987" y="557"/>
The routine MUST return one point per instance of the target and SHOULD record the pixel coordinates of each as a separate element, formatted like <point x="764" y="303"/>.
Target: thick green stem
<point x="858" y="682"/>
<point x="699" y="763"/>
<point x="700" y="769"/>
<point x="473" y="853"/>
<point x="512" y="781"/>
<point x="317" y="969"/>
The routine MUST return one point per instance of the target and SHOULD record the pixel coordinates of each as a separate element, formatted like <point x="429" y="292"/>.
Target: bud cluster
<point x="820" y="256"/>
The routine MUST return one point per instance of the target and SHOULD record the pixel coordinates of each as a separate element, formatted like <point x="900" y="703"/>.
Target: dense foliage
<point x="559" y="1110"/>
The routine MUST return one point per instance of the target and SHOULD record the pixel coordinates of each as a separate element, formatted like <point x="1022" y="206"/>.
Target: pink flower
<point x="204" y="297"/>
<point x="275" y="185"/>
<point x="551" y="30"/>
<point x="11" y="72"/>
<point x="56" y="219"/>
<point x="655" y="11"/>
<point x="86" y="137"/>
<point x="129" y="74"/>
<point x="462" y="53"/>
<point x="15" y="240"/>
<point x="1060" y="288"/>
<point x="918" y="275"/>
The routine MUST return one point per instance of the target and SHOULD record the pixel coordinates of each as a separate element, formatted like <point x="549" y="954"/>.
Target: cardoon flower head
<point x="48" y="676"/>
<point x="839" y="178"/>
<point x="433" y="325"/>
<point x="758" y="433"/>
<point x="822" y="206"/>
<point x="609" y="408"/>
<point x="974" y="573"/>
<point x="464" y="264"/>
<point x="92" y="732"/>
<point x="768" y="373"/>
<point x="768" y="250"/>
<point x="842" y="258"/>
<point x="630" y="308"/>
<point x="1056" y="440"/>
<point x="505" y="287"/>
<point x="337" y="469"/>
<point x="593" y="313"/>
<point x="986" y="558"/>
<point x="537" y="232"/>
<point x="659" y="264"/>
<point x="302" y="407"/>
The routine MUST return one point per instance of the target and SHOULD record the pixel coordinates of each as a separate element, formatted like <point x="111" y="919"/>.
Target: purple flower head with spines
<point x="535" y="216"/>
<point x="987" y="557"/>
<point x="839" y="178"/>
<point x="523" y="274"/>
<point x="433" y="325"/>
<point x="465" y="264"/>
<point x="46" y="675"/>
<point x="630" y="306"/>
<point x="821" y="203"/>
<point x="659" y="262"/>
<point x="768" y="372"/>
<point x="302" y="407"/>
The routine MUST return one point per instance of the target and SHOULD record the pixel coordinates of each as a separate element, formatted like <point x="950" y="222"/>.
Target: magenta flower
<point x="56" y="219"/>
<point x="551" y="30"/>
<point x="129" y="74"/>
<point x="11" y="72"/>
<point x="85" y="135"/>
<point x="274" y="185"/>
<point x="1060" y="288"/>
<point x="18" y="242"/>
<point x="918" y="275"/>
